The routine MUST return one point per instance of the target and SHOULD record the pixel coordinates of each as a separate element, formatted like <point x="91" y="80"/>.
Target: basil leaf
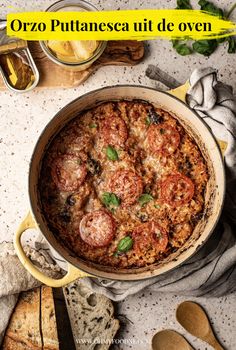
<point x="211" y="8"/>
<point x="157" y="206"/>
<point x="232" y="44"/>
<point x="111" y="153"/>
<point x="183" y="5"/>
<point x="125" y="244"/>
<point x="110" y="200"/>
<point x="115" y="200"/>
<point x="205" y="47"/>
<point x="145" y="198"/>
<point x="181" y="48"/>
<point x="148" y="121"/>
<point x="93" y="126"/>
<point x="221" y="40"/>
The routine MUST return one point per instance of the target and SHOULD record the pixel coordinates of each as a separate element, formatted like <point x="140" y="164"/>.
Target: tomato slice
<point x="127" y="185"/>
<point x="149" y="236"/>
<point x="114" y="131"/>
<point x="68" y="173"/>
<point x="97" y="228"/>
<point x="76" y="141"/>
<point x="177" y="190"/>
<point x="162" y="139"/>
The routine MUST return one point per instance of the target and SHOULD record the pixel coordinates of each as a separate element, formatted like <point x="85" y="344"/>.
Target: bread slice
<point x="91" y="316"/>
<point x="48" y="320"/>
<point x="23" y="332"/>
<point x="11" y="344"/>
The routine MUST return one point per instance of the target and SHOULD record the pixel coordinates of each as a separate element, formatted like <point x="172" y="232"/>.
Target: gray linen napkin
<point x="211" y="271"/>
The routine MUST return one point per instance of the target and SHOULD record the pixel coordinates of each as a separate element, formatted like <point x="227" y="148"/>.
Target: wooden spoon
<point x="194" y="319"/>
<point x="170" y="340"/>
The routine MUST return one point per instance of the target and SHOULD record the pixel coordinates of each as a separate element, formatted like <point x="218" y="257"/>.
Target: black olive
<point x="65" y="216"/>
<point x="198" y="216"/>
<point x="71" y="200"/>
<point x="188" y="164"/>
<point x="143" y="217"/>
<point x="93" y="166"/>
<point x="154" y="117"/>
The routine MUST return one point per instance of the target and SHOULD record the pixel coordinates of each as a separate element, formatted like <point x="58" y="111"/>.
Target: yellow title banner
<point x="118" y="25"/>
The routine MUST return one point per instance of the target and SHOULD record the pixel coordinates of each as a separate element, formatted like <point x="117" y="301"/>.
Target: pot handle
<point x="72" y="274"/>
<point x="180" y="91"/>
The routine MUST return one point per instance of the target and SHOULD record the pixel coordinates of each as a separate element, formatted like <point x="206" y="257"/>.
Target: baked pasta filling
<point x="123" y="184"/>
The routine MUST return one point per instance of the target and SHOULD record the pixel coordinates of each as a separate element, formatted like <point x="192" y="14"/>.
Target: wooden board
<point x="121" y="53"/>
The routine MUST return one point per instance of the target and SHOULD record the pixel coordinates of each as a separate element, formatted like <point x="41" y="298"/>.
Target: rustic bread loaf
<point x="11" y="344"/>
<point x="91" y="316"/>
<point x="33" y="323"/>
<point x="48" y="320"/>
<point x="23" y="331"/>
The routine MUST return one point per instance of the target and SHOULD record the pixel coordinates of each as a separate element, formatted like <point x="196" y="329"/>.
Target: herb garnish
<point x="112" y="153"/>
<point x="124" y="245"/>
<point x="204" y="47"/>
<point x="145" y="198"/>
<point x="110" y="200"/>
<point x="93" y="126"/>
<point x="148" y="121"/>
<point x="183" y="5"/>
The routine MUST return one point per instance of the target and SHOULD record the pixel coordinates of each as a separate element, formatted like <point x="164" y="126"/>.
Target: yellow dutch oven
<point x="77" y="267"/>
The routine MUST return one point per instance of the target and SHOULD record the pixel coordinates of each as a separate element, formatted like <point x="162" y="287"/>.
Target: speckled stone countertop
<point x="23" y="117"/>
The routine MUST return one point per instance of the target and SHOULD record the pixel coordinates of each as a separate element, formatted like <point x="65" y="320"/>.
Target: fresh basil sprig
<point x="231" y="44"/>
<point x="182" y="48"/>
<point x="110" y="200"/>
<point x="183" y="5"/>
<point x="204" y="47"/>
<point x="211" y="8"/>
<point x="112" y="153"/>
<point x="145" y="198"/>
<point x="93" y="126"/>
<point x="124" y="245"/>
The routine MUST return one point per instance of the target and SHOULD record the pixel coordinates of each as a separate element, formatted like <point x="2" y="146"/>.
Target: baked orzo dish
<point x="123" y="184"/>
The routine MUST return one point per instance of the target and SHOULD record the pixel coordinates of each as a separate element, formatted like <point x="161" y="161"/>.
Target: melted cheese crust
<point x="82" y="137"/>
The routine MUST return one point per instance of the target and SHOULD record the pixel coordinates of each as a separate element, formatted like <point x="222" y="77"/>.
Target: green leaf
<point x="183" y="5"/>
<point x="211" y="8"/>
<point x="157" y="206"/>
<point x="112" y="153"/>
<point x="148" y="121"/>
<point x="232" y="44"/>
<point x="110" y="200"/>
<point x="221" y="40"/>
<point x="181" y="48"/>
<point x="125" y="244"/>
<point x="145" y="198"/>
<point x="205" y="47"/>
<point x="93" y="126"/>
